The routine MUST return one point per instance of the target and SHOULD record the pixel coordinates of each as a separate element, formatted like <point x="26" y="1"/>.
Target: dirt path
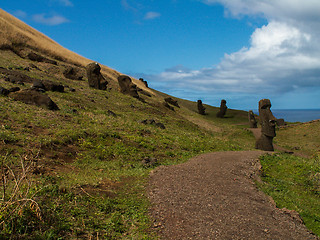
<point x="213" y="196"/>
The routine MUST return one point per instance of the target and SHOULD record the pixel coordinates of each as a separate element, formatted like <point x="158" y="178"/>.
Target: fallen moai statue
<point x="172" y="101"/>
<point x="268" y="129"/>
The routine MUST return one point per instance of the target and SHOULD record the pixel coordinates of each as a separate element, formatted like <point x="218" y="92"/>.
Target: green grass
<point x="86" y="172"/>
<point x="294" y="183"/>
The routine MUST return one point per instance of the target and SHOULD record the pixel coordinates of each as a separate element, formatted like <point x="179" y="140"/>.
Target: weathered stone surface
<point x="72" y="73"/>
<point x="223" y="109"/>
<point x="153" y="122"/>
<point x="47" y="85"/>
<point x="268" y="123"/>
<point x="252" y="119"/>
<point x="33" y="97"/>
<point x="95" y="78"/>
<point x="14" y="89"/>
<point x="172" y="101"/>
<point x="38" y="58"/>
<point x="127" y="87"/>
<point x="201" y="108"/>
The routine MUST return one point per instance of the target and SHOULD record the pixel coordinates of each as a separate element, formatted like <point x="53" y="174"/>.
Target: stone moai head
<point x="252" y="119"/>
<point x="201" y="108"/>
<point x="95" y="78"/>
<point x="127" y="87"/>
<point x="223" y="109"/>
<point x="268" y="121"/>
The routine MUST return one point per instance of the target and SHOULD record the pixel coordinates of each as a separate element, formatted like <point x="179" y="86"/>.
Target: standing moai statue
<point x="223" y="109"/>
<point x="127" y="87"/>
<point x="95" y="78"/>
<point x="201" y="108"/>
<point x="252" y="120"/>
<point x="268" y="126"/>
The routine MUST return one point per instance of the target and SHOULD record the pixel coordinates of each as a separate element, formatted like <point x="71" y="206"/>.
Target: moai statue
<point x="268" y="123"/>
<point x="127" y="87"/>
<point x="223" y="109"/>
<point x="252" y="120"/>
<point x="144" y="82"/>
<point x="201" y="108"/>
<point x="95" y="78"/>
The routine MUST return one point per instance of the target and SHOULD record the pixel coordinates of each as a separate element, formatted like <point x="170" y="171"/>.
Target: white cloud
<point x="20" y="14"/>
<point x="53" y="20"/>
<point x="152" y="15"/>
<point x="66" y="3"/>
<point x="283" y="56"/>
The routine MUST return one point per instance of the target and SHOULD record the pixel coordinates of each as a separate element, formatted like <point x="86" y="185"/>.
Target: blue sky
<point x="239" y="50"/>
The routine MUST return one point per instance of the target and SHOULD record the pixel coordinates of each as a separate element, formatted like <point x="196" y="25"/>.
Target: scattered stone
<point x="112" y="114"/>
<point x="149" y="162"/>
<point x="4" y="91"/>
<point x="95" y="78"/>
<point x="144" y="82"/>
<point x="14" y="89"/>
<point x="172" y="101"/>
<point x="201" y="108"/>
<point x="47" y="85"/>
<point x="38" y="58"/>
<point x="223" y="109"/>
<point x="252" y="119"/>
<point x="72" y="73"/>
<point x="33" y="97"/>
<point x="168" y="106"/>
<point x="268" y="123"/>
<point x="280" y="122"/>
<point x="14" y="76"/>
<point x="153" y="122"/>
<point x="127" y="87"/>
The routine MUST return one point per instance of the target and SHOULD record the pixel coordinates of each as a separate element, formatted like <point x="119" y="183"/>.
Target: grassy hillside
<point x="80" y="172"/>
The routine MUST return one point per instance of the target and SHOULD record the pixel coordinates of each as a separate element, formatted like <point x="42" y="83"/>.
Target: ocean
<point x="295" y="115"/>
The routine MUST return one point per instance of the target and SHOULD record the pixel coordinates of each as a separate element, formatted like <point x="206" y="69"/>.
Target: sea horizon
<point x="295" y="115"/>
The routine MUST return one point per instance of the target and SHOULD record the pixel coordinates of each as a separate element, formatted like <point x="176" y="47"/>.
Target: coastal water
<point x="295" y="115"/>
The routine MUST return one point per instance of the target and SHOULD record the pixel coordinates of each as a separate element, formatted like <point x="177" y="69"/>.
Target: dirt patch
<point x="213" y="196"/>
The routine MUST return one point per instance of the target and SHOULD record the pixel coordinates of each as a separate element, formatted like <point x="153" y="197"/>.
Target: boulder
<point x="33" y="97"/>
<point x="95" y="78"/>
<point x="127" y="87"/>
